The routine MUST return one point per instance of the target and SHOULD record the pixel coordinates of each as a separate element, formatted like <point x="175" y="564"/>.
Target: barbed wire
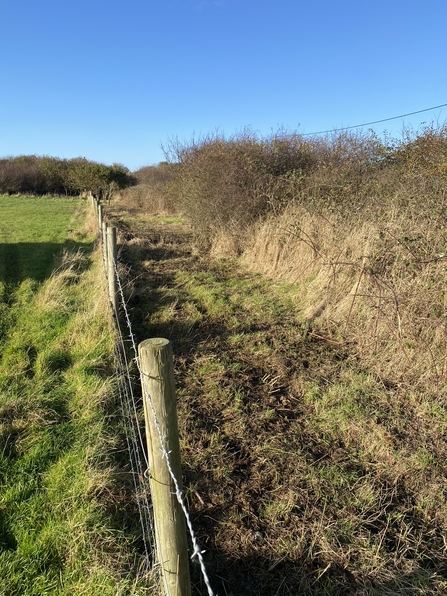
<point x="134" y="441"/>
<point x="137" y="470"/>
<point x="124" y="352"/>
<point x="197" y="552"/>
<point x="133" y="400"/>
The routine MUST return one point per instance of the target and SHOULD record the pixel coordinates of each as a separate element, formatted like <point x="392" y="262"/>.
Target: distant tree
<point x="156" y="188"/>
<point x="119" y="178"/>
<point x="9" y="179"/>
<point x="101" y="180"/>
<point x="21" y="174"/>
<point x="54" y="172"/>
<point x="45" y="175"/>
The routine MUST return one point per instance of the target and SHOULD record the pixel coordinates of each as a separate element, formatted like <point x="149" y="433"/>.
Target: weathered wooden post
<point x="156" y="362"/>
<point x="111" y="264"/>
<point x="95" y="204"/>
<point x="104" y="245"/>
<point x="100" y="218"/>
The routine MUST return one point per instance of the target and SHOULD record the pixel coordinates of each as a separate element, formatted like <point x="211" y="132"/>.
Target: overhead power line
<point x="321" y="132"/>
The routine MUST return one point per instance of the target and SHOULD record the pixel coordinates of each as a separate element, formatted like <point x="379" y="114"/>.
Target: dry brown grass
<point x="379" y="285"/>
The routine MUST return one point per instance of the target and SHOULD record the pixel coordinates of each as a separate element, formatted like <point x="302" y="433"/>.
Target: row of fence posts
<point x="160" y="409"/>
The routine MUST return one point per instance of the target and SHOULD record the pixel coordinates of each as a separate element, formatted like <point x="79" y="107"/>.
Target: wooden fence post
<point x="104" y="245"/>
<point x="111" y="264"/>
<point x="157" y="369"/>
<point x="100" y="218"/>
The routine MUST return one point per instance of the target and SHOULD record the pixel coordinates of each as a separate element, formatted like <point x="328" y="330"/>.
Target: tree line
<point x="32" y="174"/>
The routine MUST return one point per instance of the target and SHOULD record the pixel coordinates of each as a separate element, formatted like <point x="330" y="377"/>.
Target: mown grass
<point x="33" y="231"/>
<point x="306" y="471"/>
<point x="66" y="516"/>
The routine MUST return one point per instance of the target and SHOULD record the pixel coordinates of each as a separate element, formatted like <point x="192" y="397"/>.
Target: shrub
<point x="30" y="174"/>
<point x="365" y="240"/>
<point x="228" y="183"/>
<point x="155" y="190"/>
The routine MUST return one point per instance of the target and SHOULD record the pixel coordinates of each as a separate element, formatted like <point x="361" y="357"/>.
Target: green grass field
<point x="65" y="519"/>
<point x="33" y="232"/>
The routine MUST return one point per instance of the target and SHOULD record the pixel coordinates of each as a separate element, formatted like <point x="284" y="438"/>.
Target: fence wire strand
<point x="135" y="440"/>
<point x="137" y="469"/>
<point x="135" y="444"/>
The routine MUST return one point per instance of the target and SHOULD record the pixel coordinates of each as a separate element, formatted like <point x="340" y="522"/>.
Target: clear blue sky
<point x="113" y="80"/>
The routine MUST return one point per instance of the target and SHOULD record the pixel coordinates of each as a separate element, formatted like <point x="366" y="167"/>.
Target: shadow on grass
<point x="26" y="260"/>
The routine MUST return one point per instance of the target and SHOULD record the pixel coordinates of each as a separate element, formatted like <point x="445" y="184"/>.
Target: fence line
<point x="137" y="469"/>
<point x="110" y="262"/>
<point x="128" y="403"/>
<point x="134" y="439"/>
<point x="197" y="552"/>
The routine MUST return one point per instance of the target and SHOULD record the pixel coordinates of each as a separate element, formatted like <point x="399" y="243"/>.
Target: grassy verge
<point x="65" y="511"/>
<point x="306" y="471"/>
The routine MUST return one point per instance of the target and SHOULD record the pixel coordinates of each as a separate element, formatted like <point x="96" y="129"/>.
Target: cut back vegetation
<point x="66" y="514"/>
<point x="309" y="325"/>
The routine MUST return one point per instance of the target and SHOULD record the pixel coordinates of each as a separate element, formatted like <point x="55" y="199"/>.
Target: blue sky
<point x="113" y="80"/>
